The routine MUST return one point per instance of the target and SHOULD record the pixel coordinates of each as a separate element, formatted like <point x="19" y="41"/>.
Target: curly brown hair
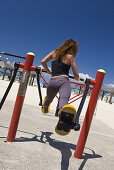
<point x="68" y="47"/>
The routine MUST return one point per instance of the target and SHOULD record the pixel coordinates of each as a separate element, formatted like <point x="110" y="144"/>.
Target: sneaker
<point x="48" y="109"/>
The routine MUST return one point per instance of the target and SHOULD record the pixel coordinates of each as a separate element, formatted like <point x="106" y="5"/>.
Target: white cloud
<point x="8" y="62"/>
<point x="83" y="76"/>
<point x="110" y="85"/>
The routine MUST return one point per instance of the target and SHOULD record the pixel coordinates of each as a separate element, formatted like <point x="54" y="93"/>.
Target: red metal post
<point x="89" y="114"/>
<point x="20" y="97"/>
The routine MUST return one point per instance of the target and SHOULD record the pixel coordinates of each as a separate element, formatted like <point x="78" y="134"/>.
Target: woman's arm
<point x="74" y="69"/>
<point x="45" y="60"/>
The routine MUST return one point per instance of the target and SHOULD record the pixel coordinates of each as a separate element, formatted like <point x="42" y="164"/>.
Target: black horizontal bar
<point x="69" y="75"/>
<point x="12" y="55"/>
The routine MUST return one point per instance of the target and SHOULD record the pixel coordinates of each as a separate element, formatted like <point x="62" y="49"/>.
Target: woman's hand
<point x="50" y="71"/>
<point x="74" y="69"/>
<point x="45" y="60"/>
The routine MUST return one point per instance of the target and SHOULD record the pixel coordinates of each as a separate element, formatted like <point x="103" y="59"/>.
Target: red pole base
<point x="20" y="97"/>
<point x="89" y="114"/>
<point x="15" y="119"/>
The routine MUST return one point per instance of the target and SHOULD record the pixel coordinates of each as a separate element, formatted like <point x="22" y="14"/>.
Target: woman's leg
<point x="61" y="85"/>
<point x="64" y="92"/>
<point x="52" y="91"/>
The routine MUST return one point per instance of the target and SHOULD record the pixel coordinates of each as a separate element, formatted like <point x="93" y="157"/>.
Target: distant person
<point x="106" y="99"/>
<point x="62" y="59"/>
<point x="9" y="76"/>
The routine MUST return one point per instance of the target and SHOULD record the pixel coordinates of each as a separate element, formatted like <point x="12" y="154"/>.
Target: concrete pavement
<point x="38" y="147"/>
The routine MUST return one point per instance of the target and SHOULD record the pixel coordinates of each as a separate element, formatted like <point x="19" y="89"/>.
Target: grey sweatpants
<point x="61" y="85"/>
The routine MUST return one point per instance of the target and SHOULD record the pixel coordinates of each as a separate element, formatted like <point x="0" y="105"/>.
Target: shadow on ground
<point x="63" y="147"/>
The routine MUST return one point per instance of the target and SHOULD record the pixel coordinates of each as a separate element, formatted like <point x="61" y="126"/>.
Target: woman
<point x="62" y="59"/>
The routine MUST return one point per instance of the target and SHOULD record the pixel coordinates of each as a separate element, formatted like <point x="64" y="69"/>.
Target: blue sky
<point x="41" y="26"/>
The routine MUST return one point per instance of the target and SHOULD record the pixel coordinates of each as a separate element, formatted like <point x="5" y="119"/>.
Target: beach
<point x="104" y="111"/>
<point x="37" y="146"/>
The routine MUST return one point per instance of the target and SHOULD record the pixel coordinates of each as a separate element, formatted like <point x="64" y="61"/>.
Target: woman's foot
<point x="67" y="116"/>
<point x="45" y="110"/>
<point x="59" y="113"/>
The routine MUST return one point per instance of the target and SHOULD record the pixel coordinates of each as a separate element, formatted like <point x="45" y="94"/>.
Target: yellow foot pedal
<point x="67" y="117"/>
